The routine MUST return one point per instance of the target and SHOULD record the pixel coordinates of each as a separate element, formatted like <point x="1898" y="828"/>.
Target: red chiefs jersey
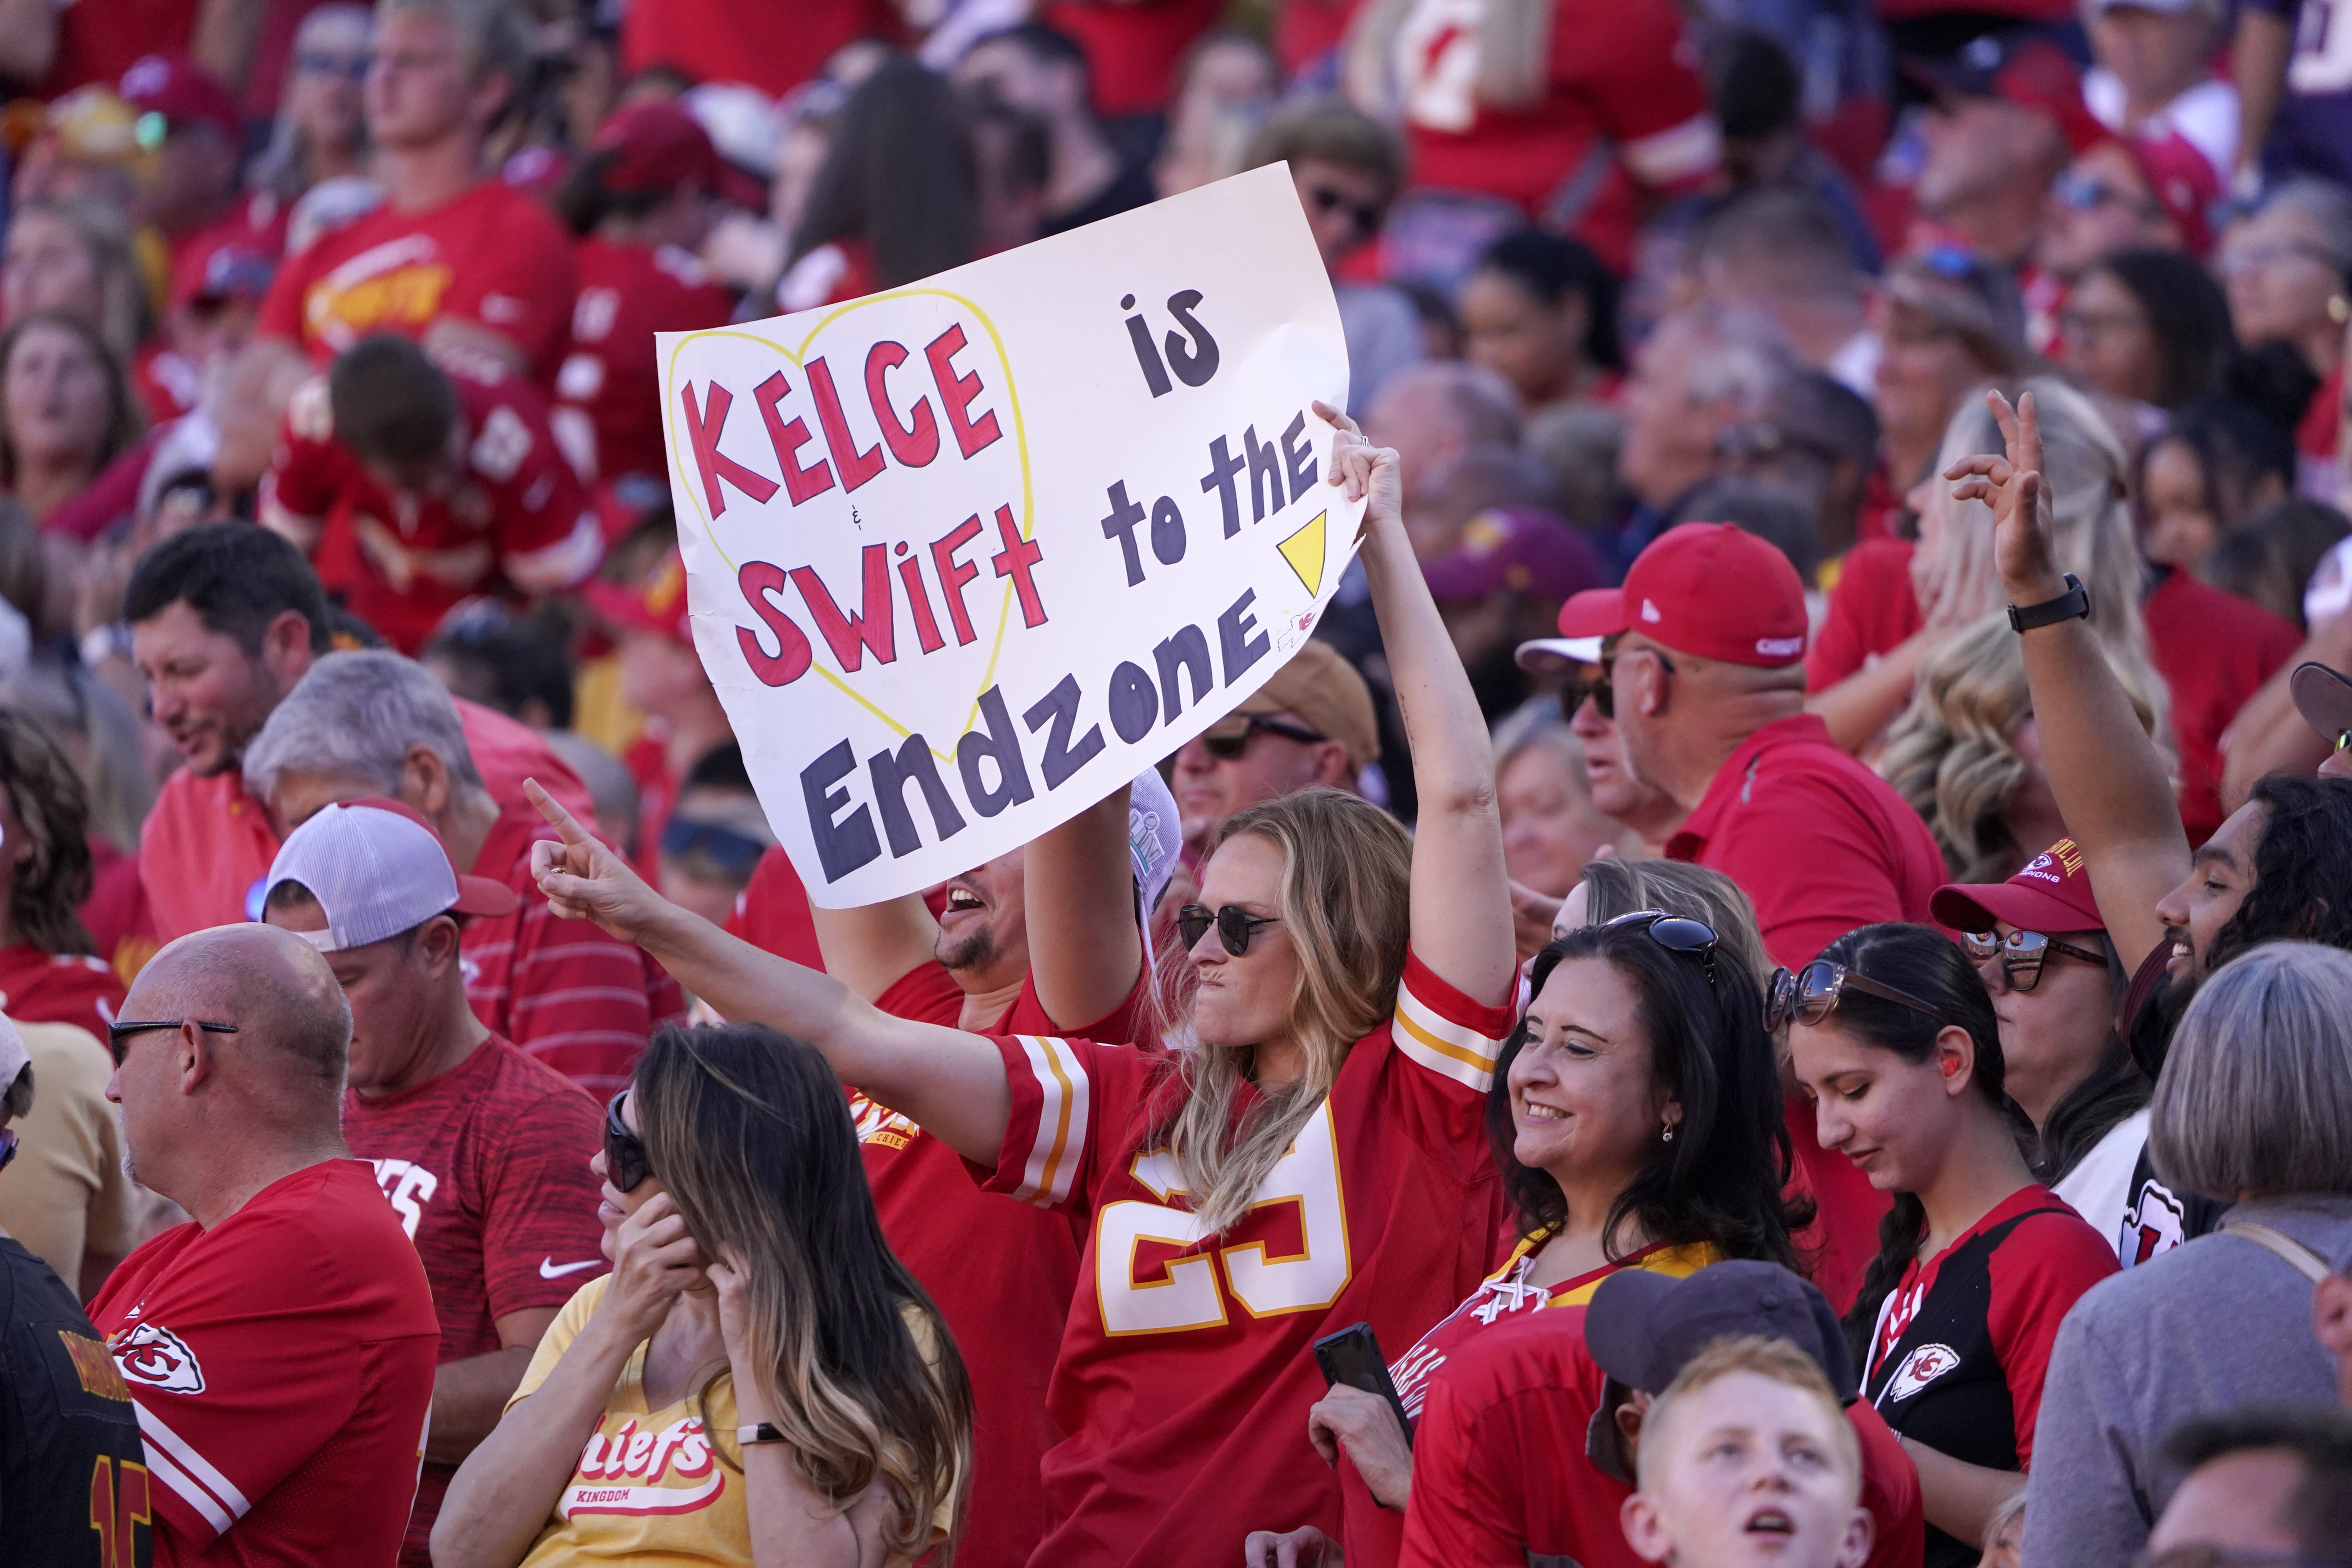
<point x="207" y="842"/>
<point x="772" y="914"/>
<point x="516" y="521"/>
<point x="1501" y="1475"/>
<point x="492" y="256"/>
<point x="1184" y="1375"/>
<point x="282" y="1365"/>
<point x="75" y="988"/>
<point x="1624" y="106"/>
<point x="2214" y="650"/>
<point x="578" y="1000"/>
<point x="486" y="1167"/>
<point x="608" y="390"/>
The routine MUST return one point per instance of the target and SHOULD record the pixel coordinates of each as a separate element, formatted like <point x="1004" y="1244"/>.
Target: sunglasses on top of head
<point x="2022" y="954"/>
<point x="625" y="1166"/>
<point x="1675" y="933"/>
<point x="1235" y="926"/>
<point x="1810" y="994"/>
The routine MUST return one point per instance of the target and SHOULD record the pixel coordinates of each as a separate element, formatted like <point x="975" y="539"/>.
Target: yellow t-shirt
<point x="649" y="1487"/>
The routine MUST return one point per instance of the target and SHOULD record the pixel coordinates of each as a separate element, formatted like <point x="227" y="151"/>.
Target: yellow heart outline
<point x="795" y="356"/>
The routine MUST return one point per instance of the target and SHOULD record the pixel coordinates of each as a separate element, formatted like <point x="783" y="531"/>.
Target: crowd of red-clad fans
<point x="1773" y="986"/>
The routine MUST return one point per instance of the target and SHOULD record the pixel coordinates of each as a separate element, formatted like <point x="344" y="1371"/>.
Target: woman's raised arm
<point x="950" y="1083"/>
<point x="1461" y="896"/>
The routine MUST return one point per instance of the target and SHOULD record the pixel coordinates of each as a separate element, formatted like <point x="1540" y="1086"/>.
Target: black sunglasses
<point x="2022" y="953"/>
<point x="1675" y="933"/>
<point x="1810" y="994"/>
<point x="1234" y="925"/>
<point x="1600" y="686"/>
<point x="1230" y="738"/>
<point x="118" y="1033"/>
<point x="1366" y="215"/>
<point x="625" y="1166"/>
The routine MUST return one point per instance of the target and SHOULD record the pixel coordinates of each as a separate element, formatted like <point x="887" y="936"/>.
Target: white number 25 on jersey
<point x="1187" y="1294"/>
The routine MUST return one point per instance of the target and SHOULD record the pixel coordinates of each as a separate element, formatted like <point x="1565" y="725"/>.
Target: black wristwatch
<point x="762" y="1433"/>
<point x="2074" y="602"/>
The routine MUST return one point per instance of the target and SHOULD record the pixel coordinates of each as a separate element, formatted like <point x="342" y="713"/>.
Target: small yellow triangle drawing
<point x="1304" y="550"/>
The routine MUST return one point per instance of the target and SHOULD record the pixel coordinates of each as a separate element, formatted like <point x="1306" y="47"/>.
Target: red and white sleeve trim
<point x="1066" y="1103"/>
<point x="174" y="1461"/>
<point x="1678" y="153"/>
<point x="1454" y="1050"/>
<point x="564" y="565"/>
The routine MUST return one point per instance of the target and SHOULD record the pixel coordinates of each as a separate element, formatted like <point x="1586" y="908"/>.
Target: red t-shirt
<point x="1183" y="1378"/>
<point x="1873" y="609"/>
<point x="486" y="1167"/>
<point x="516" y="523"/>
<point x="1625" y="107"/>
<point x="608" y="392"/>
<point x="98" y="41"/>
<point x="282" y="1365"/>
<point x="206" y="841"/>
<point x="1132" y="49"/>
<point x="491" y="256"/>
<point x="2214" y="650"/>
<point x="116" y="914"/>
<point x="1501" y="1476"/>
<point x="773" y="48"/>
<point x="772" y="914"/>
<point x="39" y="987"/>
<point x="577" y="999"/>
<point x="1821" y="845"/>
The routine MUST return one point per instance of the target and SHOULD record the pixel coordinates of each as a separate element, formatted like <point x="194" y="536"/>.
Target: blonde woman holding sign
<point x="1318" y="1161"/>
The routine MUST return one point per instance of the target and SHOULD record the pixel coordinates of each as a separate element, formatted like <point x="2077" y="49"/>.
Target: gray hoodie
<point x="2214" y="1324"/>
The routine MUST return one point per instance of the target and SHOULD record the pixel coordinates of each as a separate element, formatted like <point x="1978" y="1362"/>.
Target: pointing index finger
<point x="562" y="820"/>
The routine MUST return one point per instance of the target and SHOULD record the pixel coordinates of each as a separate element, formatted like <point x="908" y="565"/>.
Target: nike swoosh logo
<point x="549" y="1269"/>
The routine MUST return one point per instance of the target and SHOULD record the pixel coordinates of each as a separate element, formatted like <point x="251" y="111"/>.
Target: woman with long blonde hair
<point x="759" y="1381"/>
<point x="1312" y="1156"/>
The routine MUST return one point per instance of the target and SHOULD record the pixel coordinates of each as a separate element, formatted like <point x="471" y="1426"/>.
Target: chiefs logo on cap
<point x="159" y="1358"/>
<point x="1920" y="1368"/>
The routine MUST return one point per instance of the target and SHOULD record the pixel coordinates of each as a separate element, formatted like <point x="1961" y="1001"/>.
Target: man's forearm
<point x="468" y="1396"/>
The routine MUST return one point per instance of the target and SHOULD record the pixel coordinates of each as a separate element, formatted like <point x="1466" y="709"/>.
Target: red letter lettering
<point x="850" y="637"/>
<point x="956" y="392"/>
<point x="927" y="627"/>
<point x="916" y="443"/>
<point x="1014" y="562"/>
<point x="855" y="467"/>
<point x="788" y="439"/>
<point x="702" y="428"/>
<point x="787" y="663"/>
<point x="954" y="573"/>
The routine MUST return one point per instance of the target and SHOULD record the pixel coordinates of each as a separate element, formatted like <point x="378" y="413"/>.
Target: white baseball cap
<point x="13" y="1057"/>
<point x="377" y="869"/>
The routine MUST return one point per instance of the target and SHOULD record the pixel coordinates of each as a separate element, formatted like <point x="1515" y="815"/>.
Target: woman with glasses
<point x="2287" y="266"/>
<point x="320" y="132"/>
<point x="759" y="1381"/>
<point x="1636" y="1118"/>
<point x="1896" y="1043"/>
<point x="1313" y="1157"/>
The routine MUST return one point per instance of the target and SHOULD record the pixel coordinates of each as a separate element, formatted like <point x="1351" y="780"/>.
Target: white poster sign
<point x="965" y="556"/>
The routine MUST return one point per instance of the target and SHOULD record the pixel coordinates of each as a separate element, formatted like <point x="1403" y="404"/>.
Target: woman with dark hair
<point x="642" y="202"/>
<point x="759" y="1381"/>
<point x="2218" y="461"/>
<point x="1896" y="1043"/>
<point x="896" y="197"/>
<point x="1541" y="312"/>
<point x="66" y="410"/>
<point x="1636" y="1118"/>
<point x="49" y="971"/>
<point x="2148" y="325"/>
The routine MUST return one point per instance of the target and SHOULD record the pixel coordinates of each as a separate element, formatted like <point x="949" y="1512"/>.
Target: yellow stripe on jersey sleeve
<point x="1461" y="1054"/>
<point x="1063" y="1086"/>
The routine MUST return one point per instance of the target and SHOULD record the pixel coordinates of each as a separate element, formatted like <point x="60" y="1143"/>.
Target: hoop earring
<point x="1668" y="1135"/>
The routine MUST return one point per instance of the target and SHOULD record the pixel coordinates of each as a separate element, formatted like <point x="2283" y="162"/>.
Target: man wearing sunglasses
<point x="278" y="1348"/>
<point x="1311" y="725"/>
<point x="1586" y="623"/>
<point x="65" y="1418"/>
<point x="481" y="1151"/>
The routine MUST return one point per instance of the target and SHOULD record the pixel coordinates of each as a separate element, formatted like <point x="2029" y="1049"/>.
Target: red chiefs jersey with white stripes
<point x="515" y="521"/>
<point x="282" y="1364"/>
<point x="1185" y="1375"/>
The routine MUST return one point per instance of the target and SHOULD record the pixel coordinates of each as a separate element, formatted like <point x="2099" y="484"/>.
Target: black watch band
<point x="762" y="1433"/>
<point x="2071" y="605"/>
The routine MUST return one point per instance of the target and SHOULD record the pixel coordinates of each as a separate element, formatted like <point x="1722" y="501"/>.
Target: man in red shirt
<point x="223" y="620"/>
<point x="371" y="723"/>
<point x="479" y="271"/>
<point x="414" y="490"/>
<point x="279" y="1346"/>
<point x="1707" y="672"/>
<point x="482" y="1152"/>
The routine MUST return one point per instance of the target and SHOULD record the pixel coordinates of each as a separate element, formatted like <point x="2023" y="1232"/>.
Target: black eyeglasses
<point x="2022" y="953"/>
<point x="118" y="1033"/>
<point x="625" y="1166"/>
<point x="1675" y="933"/>
<point x="1810" y="994"/>
<point x="1601" y="686"/>
<point x="1365" y="215"/>
<point x="1229" y="738"/>
<point x="1235" y="926"/>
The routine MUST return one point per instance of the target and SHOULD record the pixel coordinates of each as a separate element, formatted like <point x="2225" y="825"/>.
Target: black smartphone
<point x="1352" y="1356"/>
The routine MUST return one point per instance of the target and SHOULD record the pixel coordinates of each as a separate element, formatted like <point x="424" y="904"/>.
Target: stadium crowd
<point x="1788" y="924"/>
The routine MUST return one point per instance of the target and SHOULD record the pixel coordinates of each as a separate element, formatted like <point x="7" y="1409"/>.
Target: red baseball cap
<point x="2184" y="182"/>
<point x="183" y="92"/>
<point x="658" y="605"/>
<point x="2052" y="894"/>
<point x="655" y="145"/>
<point x="1716" y="591"/>
<point x="1586" y="621"/>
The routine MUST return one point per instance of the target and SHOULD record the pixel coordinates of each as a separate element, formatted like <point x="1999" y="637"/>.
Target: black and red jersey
<point x="73" y="1474"/>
